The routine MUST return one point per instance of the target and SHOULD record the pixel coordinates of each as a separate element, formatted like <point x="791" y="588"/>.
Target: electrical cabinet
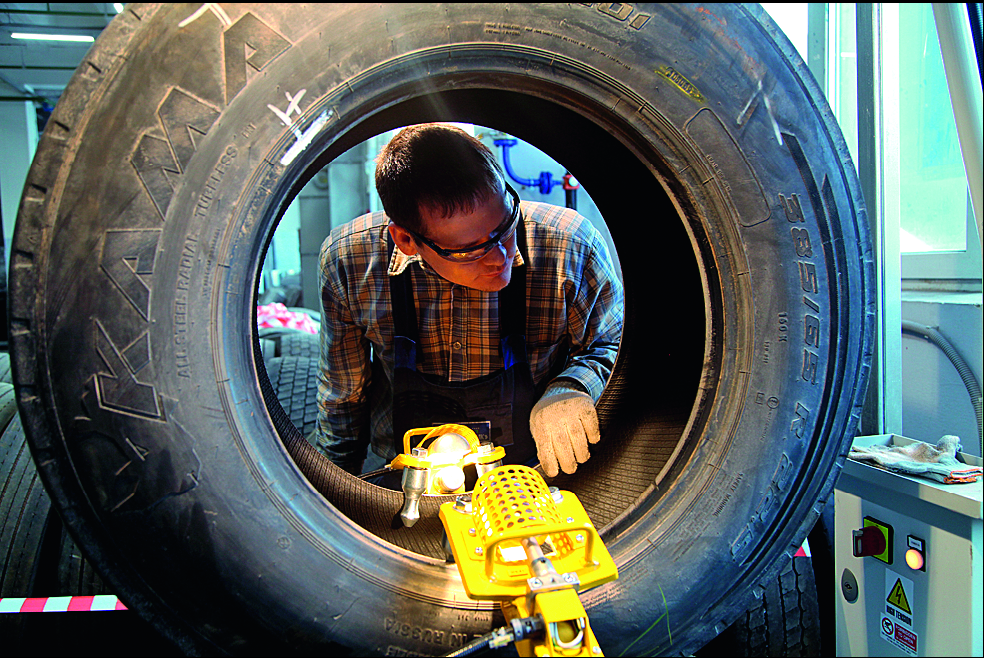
<point x="918" y="590"/>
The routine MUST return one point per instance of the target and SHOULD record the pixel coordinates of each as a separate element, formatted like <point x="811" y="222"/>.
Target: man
<point x="461" y="303"/>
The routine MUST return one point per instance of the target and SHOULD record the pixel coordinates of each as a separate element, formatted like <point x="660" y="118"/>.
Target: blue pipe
<point x="546" y="181"/>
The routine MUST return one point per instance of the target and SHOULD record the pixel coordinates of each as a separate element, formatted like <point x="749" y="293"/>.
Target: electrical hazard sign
<point x="896" y="619"/>
<point x="898" y="598"/>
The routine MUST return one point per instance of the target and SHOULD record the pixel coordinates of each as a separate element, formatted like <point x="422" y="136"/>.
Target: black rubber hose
<point x="518" y="629"/>
<point x="966" y="374"/>
<point x="474" y="646"/>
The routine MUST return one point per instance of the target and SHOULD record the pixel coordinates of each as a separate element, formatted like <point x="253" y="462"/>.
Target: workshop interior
<point x="790" y="453"/>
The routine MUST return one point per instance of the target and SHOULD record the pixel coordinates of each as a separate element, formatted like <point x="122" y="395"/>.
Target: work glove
<point x="563" y="423"/>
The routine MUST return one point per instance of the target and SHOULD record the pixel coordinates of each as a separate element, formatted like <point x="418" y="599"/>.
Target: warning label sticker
<point x="899" y="636"/>
<point x="896" y="620"/>
<point x="898" y="598"/>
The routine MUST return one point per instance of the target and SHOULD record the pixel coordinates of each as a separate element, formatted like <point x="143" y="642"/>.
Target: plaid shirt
<point x="572" y="292"/>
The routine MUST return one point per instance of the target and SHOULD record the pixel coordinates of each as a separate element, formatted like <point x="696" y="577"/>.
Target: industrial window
<point x="925" y="200"/>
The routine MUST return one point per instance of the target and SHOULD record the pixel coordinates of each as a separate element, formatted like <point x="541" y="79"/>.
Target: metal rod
<point x="539" y="564"/>
<point x="878" y="170"/>
<point x="963" y="81"/>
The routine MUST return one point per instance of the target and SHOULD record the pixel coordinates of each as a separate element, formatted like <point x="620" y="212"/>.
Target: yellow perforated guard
<point x="511" y="503"/>
<point x="512" y="497"/>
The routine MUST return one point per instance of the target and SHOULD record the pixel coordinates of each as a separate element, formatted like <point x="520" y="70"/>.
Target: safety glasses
<point x="470" y="254"/>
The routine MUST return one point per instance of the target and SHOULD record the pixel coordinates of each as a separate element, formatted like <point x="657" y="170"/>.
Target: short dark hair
<point x="437" y="166"/>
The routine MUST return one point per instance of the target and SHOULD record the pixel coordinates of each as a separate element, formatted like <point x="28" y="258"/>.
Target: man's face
<point x="490" y="273"/>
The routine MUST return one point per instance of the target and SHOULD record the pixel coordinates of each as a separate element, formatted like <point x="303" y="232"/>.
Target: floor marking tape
<point x="98" y="603"/>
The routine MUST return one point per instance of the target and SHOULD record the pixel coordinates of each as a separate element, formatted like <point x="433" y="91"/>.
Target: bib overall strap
<point x="512" y="308"/>
<point x="512" y="299"/>
<point x="405" y="333"/>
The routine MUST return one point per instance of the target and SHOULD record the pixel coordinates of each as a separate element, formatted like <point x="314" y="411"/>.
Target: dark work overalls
<point x="505" y="397"/>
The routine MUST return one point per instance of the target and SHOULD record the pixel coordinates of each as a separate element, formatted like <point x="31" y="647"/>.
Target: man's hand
<point x="563" y="422"/>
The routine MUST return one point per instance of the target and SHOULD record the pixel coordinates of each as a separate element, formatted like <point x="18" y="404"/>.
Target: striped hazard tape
<point x="62" y="604"/>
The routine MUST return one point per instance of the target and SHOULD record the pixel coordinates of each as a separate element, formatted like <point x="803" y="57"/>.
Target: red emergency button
<point x="868" y="541"/>
<point x="874" y="540"/>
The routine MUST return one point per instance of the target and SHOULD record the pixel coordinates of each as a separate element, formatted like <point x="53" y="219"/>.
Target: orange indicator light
<point x="914" y="559"/>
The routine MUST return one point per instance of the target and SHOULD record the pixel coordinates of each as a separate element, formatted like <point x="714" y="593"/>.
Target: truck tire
<point x="290" y="342"/>
<point x="295" y="380"/>
<point x="24" y="512"/>
<point x="730" y="197"/>
<point x="39" y="559"/>
<point x="783" y="621"/>
<point x="5" y="368"/>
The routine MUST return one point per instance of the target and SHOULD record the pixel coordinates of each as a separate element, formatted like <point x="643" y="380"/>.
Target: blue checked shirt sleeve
<point x="342" y="433"/>
<point x="594" y="315"/>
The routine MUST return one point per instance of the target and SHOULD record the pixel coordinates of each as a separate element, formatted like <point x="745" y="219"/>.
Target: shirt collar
<point x="400" y="261"/>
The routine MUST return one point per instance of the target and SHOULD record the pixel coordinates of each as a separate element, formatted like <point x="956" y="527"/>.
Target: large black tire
<point x="729" y="195"/>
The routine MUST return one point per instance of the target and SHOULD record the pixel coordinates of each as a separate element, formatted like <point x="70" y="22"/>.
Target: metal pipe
<point x="6" y="67"/>
<point x="50" y="12"/>
<point x="506" y="144"/>
<point x="540" y="565"/>
<point x="545" y="182"/>
<point x="960" y="64"/>
<point x="963" y="368"/>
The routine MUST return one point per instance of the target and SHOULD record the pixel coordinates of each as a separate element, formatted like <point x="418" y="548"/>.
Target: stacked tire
<point x="291" y="361"/>
<point x="39" y="559"/>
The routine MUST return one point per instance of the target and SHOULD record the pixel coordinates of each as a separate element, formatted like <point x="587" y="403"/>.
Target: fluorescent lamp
<point x="53" y="37"/>
<point x="118" y="6"/>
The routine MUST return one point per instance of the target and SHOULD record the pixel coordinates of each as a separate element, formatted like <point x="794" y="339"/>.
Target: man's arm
<point x="564" y="420"/>
<point x="342" y="432"/>
<point x="594" y="320"/>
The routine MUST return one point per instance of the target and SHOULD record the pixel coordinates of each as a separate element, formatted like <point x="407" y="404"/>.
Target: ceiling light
<point x="118" y="6"/>
<point x="53" y="37"/>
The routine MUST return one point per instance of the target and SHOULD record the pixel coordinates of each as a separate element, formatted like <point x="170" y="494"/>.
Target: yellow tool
<point x="531" y="548"/>
<point x="436" y="465"/>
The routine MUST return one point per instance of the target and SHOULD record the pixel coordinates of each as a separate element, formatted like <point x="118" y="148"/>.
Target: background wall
<point x="935" y="401"/>
<point x="18" y="141"/>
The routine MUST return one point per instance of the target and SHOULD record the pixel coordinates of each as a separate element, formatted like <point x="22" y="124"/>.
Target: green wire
<point x="653" y="625"/>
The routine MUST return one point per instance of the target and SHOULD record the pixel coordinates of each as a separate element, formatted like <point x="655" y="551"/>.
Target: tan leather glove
<point x="563" y="423"/>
